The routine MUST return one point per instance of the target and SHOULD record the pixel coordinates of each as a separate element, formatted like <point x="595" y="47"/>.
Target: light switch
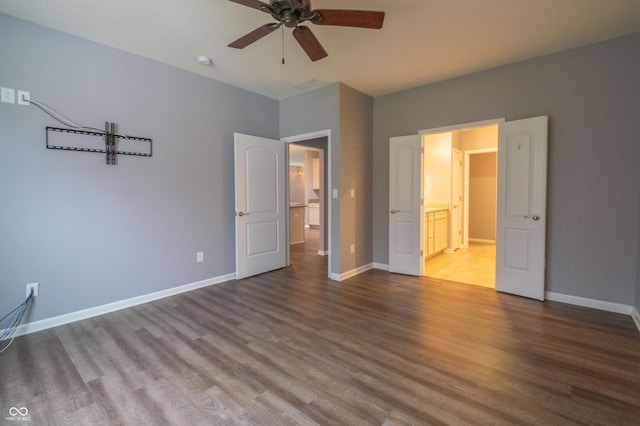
<point x="8" y="95"/>
<point x="335" y="193"/>
<point x="353" y="193"/>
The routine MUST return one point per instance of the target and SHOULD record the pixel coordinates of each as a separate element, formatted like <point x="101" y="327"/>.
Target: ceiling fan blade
<point x="254" y="4"/>
<point x="309" y="43"/>
<point x="254" y="36"/>
<point x="349" y="18"/>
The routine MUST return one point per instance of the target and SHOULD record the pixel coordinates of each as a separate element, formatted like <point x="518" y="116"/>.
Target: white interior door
<point x="405" y="194"/>
<point x="455" y="238"/>
<point x="521" y="216"/>
<point x="261" y="234"/>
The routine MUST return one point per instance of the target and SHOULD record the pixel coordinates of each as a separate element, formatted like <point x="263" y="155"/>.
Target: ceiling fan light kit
<point x="292" y="13"/>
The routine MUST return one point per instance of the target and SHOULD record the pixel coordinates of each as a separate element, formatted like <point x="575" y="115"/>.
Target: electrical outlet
<point x="24" y="97"/>
<point x="33" y="286"/>
<point x="8" y="95"/>
<point x="200" y="256"/>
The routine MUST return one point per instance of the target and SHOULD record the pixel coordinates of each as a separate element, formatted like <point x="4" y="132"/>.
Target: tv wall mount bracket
<point x="114" y="143"/>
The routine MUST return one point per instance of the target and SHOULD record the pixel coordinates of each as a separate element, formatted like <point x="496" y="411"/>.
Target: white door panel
<point x="405" y="189"/>
<point x="260" y="205"/>
<point x="521" y="221"/>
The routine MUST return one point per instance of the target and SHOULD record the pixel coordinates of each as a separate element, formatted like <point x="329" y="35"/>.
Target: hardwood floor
<point x="291" y="347"/>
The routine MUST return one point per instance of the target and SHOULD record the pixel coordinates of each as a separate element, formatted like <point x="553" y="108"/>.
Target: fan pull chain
<point x="282" y="32"/>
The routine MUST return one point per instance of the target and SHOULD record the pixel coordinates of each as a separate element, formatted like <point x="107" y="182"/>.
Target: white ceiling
<point x="422" y="41"/>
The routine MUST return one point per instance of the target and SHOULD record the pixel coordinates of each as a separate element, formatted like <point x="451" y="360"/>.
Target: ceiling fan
<point x="291" y="13"/>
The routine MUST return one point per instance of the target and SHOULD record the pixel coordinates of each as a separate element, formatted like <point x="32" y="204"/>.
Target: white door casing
<point x="455" y="239"/>
<point x="405" y="205"/>
<point x="260" y="201"/>
<point x="521" y="212"/>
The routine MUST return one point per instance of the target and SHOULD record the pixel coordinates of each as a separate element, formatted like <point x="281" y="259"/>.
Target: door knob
<point x="243" y="214"/>
<point x="535" y="217"/>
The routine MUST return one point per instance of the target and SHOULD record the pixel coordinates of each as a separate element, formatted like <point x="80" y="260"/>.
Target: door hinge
<point x="421" y="252"/>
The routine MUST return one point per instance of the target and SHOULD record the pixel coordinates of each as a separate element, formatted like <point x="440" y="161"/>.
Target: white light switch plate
<point x="8" y="95"/>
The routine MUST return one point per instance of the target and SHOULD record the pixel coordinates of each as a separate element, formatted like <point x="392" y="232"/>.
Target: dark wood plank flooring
<point x="291" y="347"/>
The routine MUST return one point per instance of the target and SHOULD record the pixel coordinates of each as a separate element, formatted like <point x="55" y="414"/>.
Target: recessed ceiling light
<point x="205" y="60"/>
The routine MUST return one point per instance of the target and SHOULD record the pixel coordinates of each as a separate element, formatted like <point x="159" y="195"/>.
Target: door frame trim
<point x="462" y="126"/>
<point x="301" y="138"/>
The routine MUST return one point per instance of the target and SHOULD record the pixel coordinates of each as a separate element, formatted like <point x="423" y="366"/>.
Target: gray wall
<point x="348" y="114"/>
<point x="312" y="112"/>
<point x="592" y="96"/>
<point x="637" y="304"/>
<point x="483" y="195"/>
<point x="356" y="150"/>
<point x="91" y="233"/>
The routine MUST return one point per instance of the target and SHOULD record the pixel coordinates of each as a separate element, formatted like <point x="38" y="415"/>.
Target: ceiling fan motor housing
<point x="290" y="13"/>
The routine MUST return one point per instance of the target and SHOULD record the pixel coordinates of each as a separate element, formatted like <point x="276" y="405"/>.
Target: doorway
<point x="460" y="188"/>
<point x="321" y="141"/>
<point x="521" y="206"/>
<point x="307" y="195"/>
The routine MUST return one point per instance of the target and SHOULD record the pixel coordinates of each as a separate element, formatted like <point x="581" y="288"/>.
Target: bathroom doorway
<point x="460" y="197"/>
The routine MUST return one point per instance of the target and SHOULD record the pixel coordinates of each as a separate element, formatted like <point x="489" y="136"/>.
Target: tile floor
<point x="473" y="265"/>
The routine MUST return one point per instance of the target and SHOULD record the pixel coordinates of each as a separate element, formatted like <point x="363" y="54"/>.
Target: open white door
<point x="405" y="194"/>
<point x="522" y="194"/>
<point x="261" y="236"/>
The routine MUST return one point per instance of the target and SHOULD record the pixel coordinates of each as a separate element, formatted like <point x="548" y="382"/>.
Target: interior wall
<point x="356" y="198"/>
<point x="637" y="304"/>
<point x="591" y="97"/>
<point x="316" y="111"/>
<point x="483" y="195"/>
<point x="437" y="168"/>
<point x="93" y="234"/>
<point x="479" y="138"/>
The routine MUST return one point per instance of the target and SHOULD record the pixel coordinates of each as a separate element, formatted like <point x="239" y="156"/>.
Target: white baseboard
<point x="480" y="240"/>
<point x="636" y="317"/>
<point x="44" y="324"/>
<point x="381" y="266"/>
<point x="351" y="273"/>
<point x="589" y="303"/>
